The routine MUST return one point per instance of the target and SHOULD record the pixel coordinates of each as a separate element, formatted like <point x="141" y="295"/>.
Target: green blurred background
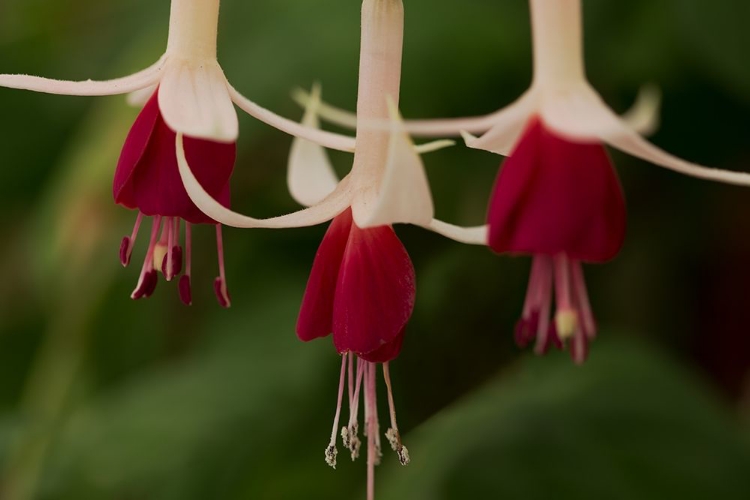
<point x="102" y="397"/>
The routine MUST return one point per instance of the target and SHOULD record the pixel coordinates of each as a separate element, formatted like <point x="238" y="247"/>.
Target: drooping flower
<point x="557" y="196"/>
<point x="184" y="93"/>
<point x="361" y="287"/>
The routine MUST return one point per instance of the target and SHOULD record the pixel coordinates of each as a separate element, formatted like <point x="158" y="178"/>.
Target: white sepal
<point x="404" y="193"/>
<point x="421" y="128"/>
<point x="507" y="126"/>
<point x="124" y="85"/>
<point x="476" y="235"/>
<point x="327" y="112"/>
<point x="194" y="101"/>
<point x="619" y="135"/>
<point x="310" y="175"/>
<point x="325" y="139"/>
<point x="327" y="209"/>
<point x="643" y="116"/>
<point x="573" y="113"/>
<point x="432" y="146"/>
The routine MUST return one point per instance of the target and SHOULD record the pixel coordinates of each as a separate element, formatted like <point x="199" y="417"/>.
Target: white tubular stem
<point x="558" y="41"/>
<point x="380" y="57"/>
<point x="193" y="26"/>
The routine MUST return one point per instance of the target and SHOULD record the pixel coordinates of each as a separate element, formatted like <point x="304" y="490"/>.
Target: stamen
<point x="582" y="298"/>
<point x="351" y="432"/>
<point x="166" y="263"/>
<point x="566" y="319"/>
<point x="126" y="247"/>
<point x="186" y="295"/>
<point x="332" y="451"/>
<point x="533" y="293"/>
<point x="350" y="385"/>
<point x="148" y="278"/>
<point x="537" y="295"/>
<point x="176" y="249"/>
<point x="220" y="283"/>
<point x="171" y="263"/>
<point x="392" y="434"/>
<point x="545" y="332"/>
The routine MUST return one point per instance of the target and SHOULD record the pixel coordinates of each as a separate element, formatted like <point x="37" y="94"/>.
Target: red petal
<point x="147" y="176"/>
<point x="386" y="352"/>
<point x="132" y="152"/>
<point x="554" y="196"/>
<point x="374" y="293"/>
<point x="316" y="314"/>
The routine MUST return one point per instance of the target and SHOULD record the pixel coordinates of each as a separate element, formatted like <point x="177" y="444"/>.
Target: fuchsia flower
<point x="362" y="286"/>
<point x="557" y="196"/>
<point x="185" y="93"/>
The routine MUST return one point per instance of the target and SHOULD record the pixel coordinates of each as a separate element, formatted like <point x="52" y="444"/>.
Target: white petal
<point x="643" y="116"/>
<point x="139" y="98"/>
<point x="476" y="235"/>
<point x="507" y="126"/>
<point x="404" y="193"/>
<point x="310" y="175"/>
<point x="333" y="205"/>
<point x="194" y="101"/>
<point x="326" y="139"/>
<point x="123" y="85"/>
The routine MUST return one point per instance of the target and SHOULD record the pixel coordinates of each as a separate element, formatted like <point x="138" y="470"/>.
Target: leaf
<point x="628" y="424"/>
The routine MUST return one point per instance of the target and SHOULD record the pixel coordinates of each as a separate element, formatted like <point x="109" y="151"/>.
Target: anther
<point x="173" y="268"/>
<point x="330" y="454"/>
<point x="186" y="295"/>
<point x="126" y="248"/>
<point x="146" y="285"/>
<point x="222" y="294"/>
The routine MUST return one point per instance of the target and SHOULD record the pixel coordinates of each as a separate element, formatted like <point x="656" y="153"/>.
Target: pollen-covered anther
<point x="345" y="437"/>
<point x="356" y="444"/>
<point x="330" y="454"/>
<point x="403" y="455"/>
<point x="566" y="323"/>
<point x="394" y="438"/>
<point x="350" y="438"/>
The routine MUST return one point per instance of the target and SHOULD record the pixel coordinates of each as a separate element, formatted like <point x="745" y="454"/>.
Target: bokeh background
<point x="102" y="397"/>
